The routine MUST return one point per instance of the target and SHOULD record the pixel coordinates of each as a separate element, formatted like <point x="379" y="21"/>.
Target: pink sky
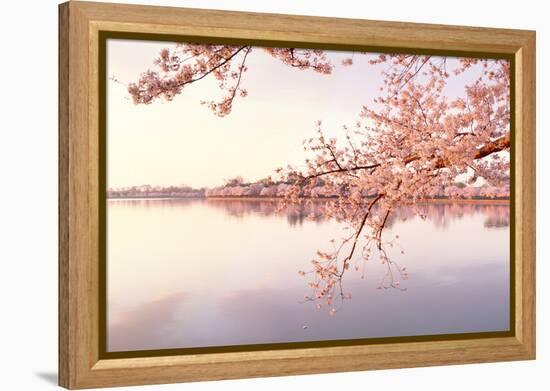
<point x="182" y="142"/>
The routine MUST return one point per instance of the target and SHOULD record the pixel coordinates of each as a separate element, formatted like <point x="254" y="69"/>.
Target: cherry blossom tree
<point x="189" y="63"/>
<point x="412" y="142"/>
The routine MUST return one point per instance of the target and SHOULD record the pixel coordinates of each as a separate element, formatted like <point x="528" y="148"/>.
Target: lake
<point x="203" y="272"/>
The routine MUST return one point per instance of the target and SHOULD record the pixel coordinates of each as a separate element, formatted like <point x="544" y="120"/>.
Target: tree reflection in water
<point x="354" y="250"/>
<point x="329" y="266"/>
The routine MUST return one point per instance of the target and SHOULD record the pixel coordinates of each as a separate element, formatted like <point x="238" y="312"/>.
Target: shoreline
<point x="497" y="201"/>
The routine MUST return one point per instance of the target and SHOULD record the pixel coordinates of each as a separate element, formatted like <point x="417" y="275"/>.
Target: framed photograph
<point x="247" y="195"/>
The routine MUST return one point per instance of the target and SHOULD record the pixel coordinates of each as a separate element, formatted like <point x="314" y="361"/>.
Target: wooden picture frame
<point x="81" y="364"/>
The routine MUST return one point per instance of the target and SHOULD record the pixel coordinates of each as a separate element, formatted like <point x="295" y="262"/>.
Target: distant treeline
<point x="148" y="191"/>
<point x="267" y="188"/>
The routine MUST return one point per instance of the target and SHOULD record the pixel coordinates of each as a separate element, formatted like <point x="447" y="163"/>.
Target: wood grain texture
<point x="526" y="194"/>
<point x="63" y="200"/>
<point x="80" y="23"/>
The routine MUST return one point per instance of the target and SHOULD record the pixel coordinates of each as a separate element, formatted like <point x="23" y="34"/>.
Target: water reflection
<point x="189" y="273"/>
<point x="440" y="213"/>
<point x="148" y="325"/>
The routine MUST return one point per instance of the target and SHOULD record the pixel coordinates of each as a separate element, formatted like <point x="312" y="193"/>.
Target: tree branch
<point x="358" y="233"/>
<point x="219" y="65"/>
<point x="491" y="147"/>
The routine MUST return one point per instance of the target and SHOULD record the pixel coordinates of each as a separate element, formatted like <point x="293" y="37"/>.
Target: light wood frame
<point x="79" y="25"/>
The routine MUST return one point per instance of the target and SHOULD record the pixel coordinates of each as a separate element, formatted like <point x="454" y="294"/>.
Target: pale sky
<point x="183" y="142"/>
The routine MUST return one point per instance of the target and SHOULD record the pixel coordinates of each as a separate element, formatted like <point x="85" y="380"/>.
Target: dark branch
<point x="491" y="147"/>
<point x="219" y="65"/>
<point x="358" y="233"/>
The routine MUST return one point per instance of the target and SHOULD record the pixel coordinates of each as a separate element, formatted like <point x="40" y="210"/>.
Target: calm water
<point x="195" y="273"/>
